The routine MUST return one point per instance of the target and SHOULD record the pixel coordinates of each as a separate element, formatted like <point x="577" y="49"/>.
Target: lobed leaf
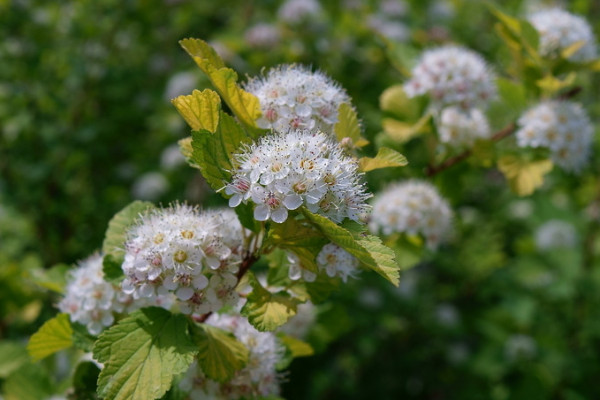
<point x="56" y="334"/>
<point x="267" y="311"/>
<point x="142" y="354"/>
<point x="524" y="176"/>
<point x="369" y="250"/>
<point x="385" y="158"/>
<point x="220" y="354"/>
<point x="200" y="109"/>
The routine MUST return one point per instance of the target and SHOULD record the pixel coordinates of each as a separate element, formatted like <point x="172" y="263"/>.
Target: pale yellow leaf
<point x="200" y="109"/>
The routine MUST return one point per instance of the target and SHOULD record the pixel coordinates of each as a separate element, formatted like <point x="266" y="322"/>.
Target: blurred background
<point x="510" y="309"/>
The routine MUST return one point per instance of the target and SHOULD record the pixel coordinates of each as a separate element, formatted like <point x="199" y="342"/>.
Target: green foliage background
<point x="84" y="113"/>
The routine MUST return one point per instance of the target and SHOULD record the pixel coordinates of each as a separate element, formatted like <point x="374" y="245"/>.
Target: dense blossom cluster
<point x="462" y="127"/>
<point x="331" y="260"/>
<point x="413" y="207"/>
<point x="285" y="171"/>
<point x="559" y="30"/>
<point x="561" y="126"/>
<point x="180" y="250"/>
<point x="258" y="378"/>
<point x="92" y="301"/>
<point x="555" y="234"/>
<point x="452" y="75"/>
<point x="293" y="97"/>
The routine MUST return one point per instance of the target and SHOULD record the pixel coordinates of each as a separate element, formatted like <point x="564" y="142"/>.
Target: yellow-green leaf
<point x="394" y="100"/>
<point x="572" y="49"/>
<point x="220" y="354"/>
<point x="244" y="105"/>
<point x="552" y="84"/>
<point x="200" y="109"/>
<point x="385" y="158"/>
<point x="403" y="131"/>
<point x="348" y="126"/>
<point x="524" y="176"/>
<point x="297" y="347"/>
<point x="55" y="335"/>
<point x="267" y="311"/>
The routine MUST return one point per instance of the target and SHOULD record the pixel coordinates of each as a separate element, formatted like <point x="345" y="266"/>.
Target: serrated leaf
<point x="142" y="354"/>
<point x="348" y="126"/>
<point x="200" y="109"/>
<point x="385" y="158"/>
<point x="267" y="311"/>
<point x="220" y="354"/>
<point x="524" y="176"/>
<point x="303" y="240"/>
<point x="55" y="335"/>
<point x="12" y="356"/>
<point x="244" y="105"/>
<point x="213" y="152"/>
<point x="403" y="131"/>
<point x="297" y="347"/>
<point x="367" y="249"/>
<point x="116" y="233"/>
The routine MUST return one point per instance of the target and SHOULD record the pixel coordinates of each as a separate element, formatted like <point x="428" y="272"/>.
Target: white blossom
<point x="258" y="378"/>
<point x="561" y="126"/>
<point x="296" y="11"/>
<point x="180" y="250"/>
<point x="335" y="261"/>
<point x="293" y="97"/>
<point x="460" y="128"/>
<point x="285" y="171"/>
<point x="413" y="207"/>
<point x="150" y="186"/>
<point x="559" y="30"/>
<point x="555" y="234"/>
<point x="92" y="301"/>
<point x="262" y="35"/>
<point x="300" y="324"/>
<point x="452" y="75"/>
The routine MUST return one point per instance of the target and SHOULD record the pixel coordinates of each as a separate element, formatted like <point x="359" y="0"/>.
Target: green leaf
<point x="220" y="354"/>
<point x="552" y="84"/>
<point x="54" y="335"/>
<point x="116" y="235"/>
<point x="321" y="288"/>
<point x="82" y="339"/>
<point x="402" y="131"/>
<point x="512" y="93"/>
<point x="385" y="158"/>
<point x="573" y="48"/>
<point x="30" y="382"/>
<point x="278" y="268"/>
<point x="245" y="214"/>
<point x="213" y="152"/>
<point x="12" y="356"/>
<point x="267" y="311"/>
<point x="367" y="249"/>
<point x="85" y="381"/>
<point x="301" y="239"/>
<point x="200" y="109"/>
<point x="348" y="126"/>
<point x="112" y="269"/>
<point x="524" y="176"/>
<point x="395" y="101"/>
<point x="142" y="354"/>
<point x="244" y="105"/>
<point x="53" y="279"/>
<point x="297" y="347"/>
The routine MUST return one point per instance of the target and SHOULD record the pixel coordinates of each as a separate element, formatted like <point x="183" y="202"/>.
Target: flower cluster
<point x="555" y="234"/>
<point x="452" y="75"/>
<point x="258" y="378"/>
<point x="332" y="260"/>
<point x="92" y="301"/>
<point x="293" y="97"/>
<point x="296" y="11"/>
<point x="462" y="127"/>
<point x="561" y="126"/>
<point x="412" y="207"/>
<point x="285" y="171"/>
<point x="559" y="30"/>
<point x="180" y="250"/>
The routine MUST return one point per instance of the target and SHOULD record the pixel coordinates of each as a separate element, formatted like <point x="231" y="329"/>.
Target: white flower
<point x="150" y="186"/>
<point x="295" y="11"/>
<point x="452" y="75"/>
<point x="193" y="255"/>
<point x="263" y="36"/>
<point x="336" y="261"/>
<point x="93" y="302"/>
<point x="561" y="126"/>
<point x="285" y="171"/>
<point x="559" y="30"/>
<point x="462" y="127"/>
<point x="300" y="324"/>
<point x="257" y="379"/>
<point x="413" y="207"/>
<point x="293" y="97"/>
<point x="555" y="234"/>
